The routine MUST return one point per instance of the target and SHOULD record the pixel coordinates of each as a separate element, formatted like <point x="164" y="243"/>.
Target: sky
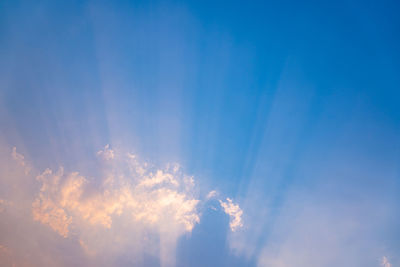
<point x="200" y="133"/>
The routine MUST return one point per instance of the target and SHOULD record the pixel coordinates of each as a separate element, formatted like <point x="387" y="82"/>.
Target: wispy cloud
<point x="234" y="212"/>
<point x="211" y="194"/>
<point x="21" y="160"/>
<point x="106" y="153"/>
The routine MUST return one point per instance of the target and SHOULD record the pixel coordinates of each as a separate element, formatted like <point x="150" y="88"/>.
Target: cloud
<point x="136" y="195"/>
<point x="124" y="209"/>
<point x="234" y="212"/>
<point x="385" y="262"/>
<point x="106" y="153"/>
<point x="50" y="207"/>
<point x="211" y="194"/>
<point x="154" y="197"/>
<point x="21" y="160"/>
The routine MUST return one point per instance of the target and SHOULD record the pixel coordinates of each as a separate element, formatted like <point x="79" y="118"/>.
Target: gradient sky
<point x="200" y="133"/>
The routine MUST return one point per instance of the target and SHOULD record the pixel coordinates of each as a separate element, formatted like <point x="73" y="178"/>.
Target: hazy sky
<point x="200" y="133"/>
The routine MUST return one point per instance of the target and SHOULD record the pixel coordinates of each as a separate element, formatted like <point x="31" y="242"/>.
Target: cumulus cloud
<point x="156" y="200"/>
<point x="385" y="262"/>
<point x="154" y="197"/>
<point x="52" y="204"/>
<point x="234" y="212"/>
<point x="125" y="207"/>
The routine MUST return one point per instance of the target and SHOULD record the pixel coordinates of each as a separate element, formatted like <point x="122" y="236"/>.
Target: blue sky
<point x="285" y="114"/>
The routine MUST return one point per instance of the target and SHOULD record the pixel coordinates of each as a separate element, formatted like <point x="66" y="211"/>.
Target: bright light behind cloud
<point x="172" y="133"/>
<point x="129" y="195"/>
<point x="155" y="197"/>
<point x="159" y="200"/>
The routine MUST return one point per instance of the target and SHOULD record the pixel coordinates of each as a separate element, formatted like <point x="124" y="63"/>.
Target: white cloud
<point x="234" y="212"/>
